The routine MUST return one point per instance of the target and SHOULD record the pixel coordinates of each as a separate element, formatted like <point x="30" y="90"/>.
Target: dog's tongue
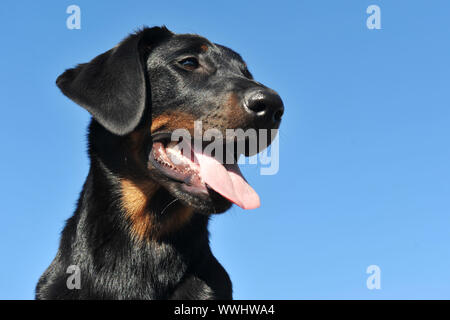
<point x="228" y="181"/>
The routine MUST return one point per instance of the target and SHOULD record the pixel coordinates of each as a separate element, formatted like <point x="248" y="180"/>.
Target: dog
<point x="140" y="229"/>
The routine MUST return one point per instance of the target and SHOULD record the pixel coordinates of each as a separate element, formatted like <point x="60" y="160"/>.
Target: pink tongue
<point x="229" y="183"/>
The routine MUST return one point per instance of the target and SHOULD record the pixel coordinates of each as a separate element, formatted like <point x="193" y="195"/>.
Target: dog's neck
<point x="104" y="236"/>
<point x="144" y="210"/>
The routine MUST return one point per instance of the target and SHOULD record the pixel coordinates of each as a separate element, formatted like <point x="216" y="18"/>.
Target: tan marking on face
<point x="233" y="101"/>
<point x="234" y="113"/>
<point x="204" y="47"/>
<point x="171" y="121"/>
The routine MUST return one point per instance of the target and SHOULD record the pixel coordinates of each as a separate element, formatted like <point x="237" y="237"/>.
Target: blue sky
<point x="364" y="145"/>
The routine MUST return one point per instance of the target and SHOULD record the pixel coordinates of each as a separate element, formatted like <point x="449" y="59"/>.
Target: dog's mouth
<point x="199" y="172"/>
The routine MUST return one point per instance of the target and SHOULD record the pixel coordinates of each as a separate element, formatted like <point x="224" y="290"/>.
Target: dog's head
<point x="156" y="82"/>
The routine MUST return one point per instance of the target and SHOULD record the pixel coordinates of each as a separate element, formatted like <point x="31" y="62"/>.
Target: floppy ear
<point x="112" y="87"/>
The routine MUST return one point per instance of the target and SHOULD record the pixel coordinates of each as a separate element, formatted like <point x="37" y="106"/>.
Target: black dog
<point x="140" y="227"/>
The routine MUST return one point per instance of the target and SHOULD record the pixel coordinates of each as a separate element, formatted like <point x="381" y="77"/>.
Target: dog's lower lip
<point x="179" y="173"/>
<point x="163" y="137"/>
<point x="189" y="181"/>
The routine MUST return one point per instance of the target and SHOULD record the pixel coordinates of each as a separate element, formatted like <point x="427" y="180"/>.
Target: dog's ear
<point x="112" y="87"/>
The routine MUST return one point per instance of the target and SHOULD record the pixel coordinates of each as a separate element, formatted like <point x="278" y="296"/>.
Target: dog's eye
<point x="190" y="63"/>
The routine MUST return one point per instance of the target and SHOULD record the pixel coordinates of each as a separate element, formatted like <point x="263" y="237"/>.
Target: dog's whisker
<point x="166" y="207"/>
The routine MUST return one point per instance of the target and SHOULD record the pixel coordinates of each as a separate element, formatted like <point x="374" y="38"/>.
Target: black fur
<point x="126" y="89"/>
<point x="112" y="87"/>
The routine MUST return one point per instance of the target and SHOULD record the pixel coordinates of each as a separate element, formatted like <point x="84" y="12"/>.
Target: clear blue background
<point x="365" y="161"/>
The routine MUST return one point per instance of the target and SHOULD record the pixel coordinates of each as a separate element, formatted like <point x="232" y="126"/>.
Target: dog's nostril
<point x="277" y="115"/>
<point x="258" y="107"/>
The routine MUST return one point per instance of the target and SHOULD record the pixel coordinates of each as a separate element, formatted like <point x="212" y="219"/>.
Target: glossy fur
<point x="136" y="234"/>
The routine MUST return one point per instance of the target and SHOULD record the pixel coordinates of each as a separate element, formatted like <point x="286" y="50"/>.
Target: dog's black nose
<point x="265" y="106"/>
